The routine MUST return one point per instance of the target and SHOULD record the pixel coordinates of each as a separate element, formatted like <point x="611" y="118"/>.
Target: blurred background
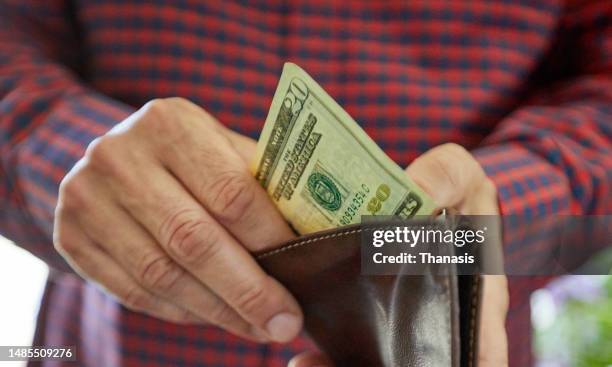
<point x="572" y="321"/>
<point x="571" y="317"/>
<point x="22" y="279"/>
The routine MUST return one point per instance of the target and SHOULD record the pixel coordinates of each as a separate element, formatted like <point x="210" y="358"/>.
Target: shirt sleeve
<point x="47" y="118"/>
<point x="553" y="154"/>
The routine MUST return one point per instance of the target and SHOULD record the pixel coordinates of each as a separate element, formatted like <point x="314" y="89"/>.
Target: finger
<point x="92" y="263"/>
<point x="136" y="251"/>
<point x="493" y="348"/>
<point x="206" y="250"/>
<point x="243" y="145"/>
<point x="310" y="359"/>
<point x="448" y="173"/>
<point x="207" y="163"/>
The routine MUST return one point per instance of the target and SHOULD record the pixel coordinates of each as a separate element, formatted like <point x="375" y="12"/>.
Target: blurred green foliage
<point x="578" y="332"/>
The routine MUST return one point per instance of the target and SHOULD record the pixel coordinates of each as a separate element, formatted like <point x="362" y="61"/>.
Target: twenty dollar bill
<point x="320" y="168"/>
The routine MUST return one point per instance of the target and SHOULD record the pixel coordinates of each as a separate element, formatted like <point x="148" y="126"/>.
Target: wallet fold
<point x="377" y="320"/>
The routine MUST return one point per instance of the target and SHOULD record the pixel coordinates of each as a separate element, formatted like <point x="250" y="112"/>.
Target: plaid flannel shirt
<point x="525" y="85"/>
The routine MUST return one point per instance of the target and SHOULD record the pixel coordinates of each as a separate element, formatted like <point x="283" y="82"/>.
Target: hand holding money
<point x="162" y="212"/>
<point x="317" y="189"/>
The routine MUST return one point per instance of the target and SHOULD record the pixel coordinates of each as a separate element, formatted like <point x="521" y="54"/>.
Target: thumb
<point x="493" y="349"/>
<point x="448" y="173"/>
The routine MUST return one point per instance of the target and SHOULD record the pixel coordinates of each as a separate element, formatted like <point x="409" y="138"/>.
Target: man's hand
<point x="454" y="179"/>
<point x="162" y="212"/>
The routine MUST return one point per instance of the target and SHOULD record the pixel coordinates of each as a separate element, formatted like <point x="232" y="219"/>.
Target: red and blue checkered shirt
<point x="525" y="85"/>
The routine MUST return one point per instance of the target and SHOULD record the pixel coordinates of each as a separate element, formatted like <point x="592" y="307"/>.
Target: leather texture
<point x="390" y="320"/>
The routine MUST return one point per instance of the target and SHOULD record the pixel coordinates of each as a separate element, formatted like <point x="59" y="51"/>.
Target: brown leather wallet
<point x="365" y="320"/>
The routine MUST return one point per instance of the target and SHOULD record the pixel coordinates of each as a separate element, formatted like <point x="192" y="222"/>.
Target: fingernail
<point x="283" y="327"/>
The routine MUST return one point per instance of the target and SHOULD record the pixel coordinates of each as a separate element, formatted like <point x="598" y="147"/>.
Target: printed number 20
<point x="382" y="193"/>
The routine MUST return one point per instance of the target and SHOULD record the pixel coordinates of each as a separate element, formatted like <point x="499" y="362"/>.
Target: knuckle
<point x="157" y="107"/>
<point x="58" y="244"/>
<point x="178" y="101"/>
<point x="252" y="299"/>
<point x="100" y="149"/>
<point x="107" y="157"/>
<point x="136" y="299"/>
<point x="186" y="105"/>
<point x="156" y="115"/>
<point x="65" y="242"/>
<point x="62" y="246"/>
<point x="159" y="272"/>
<point x="61" y="243"/>
<point x="231" y="196"/>
<point x="72" y="192"/>
<point x="191" y="241"/>
<point x="103" y="154"/>
<point x="161" y="120"/>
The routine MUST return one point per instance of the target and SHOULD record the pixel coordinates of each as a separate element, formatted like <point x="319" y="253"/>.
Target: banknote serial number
<point x="374" y="204"/>
<point x="25" y="353"/>
<point x="353" y="208"/>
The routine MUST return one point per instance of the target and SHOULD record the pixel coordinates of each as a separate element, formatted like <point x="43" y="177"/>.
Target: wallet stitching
<point x="475" y="285"/>
<point x="346" y="233"/>
<point x="324" y="237"/>
<point x="308" y="241"/>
